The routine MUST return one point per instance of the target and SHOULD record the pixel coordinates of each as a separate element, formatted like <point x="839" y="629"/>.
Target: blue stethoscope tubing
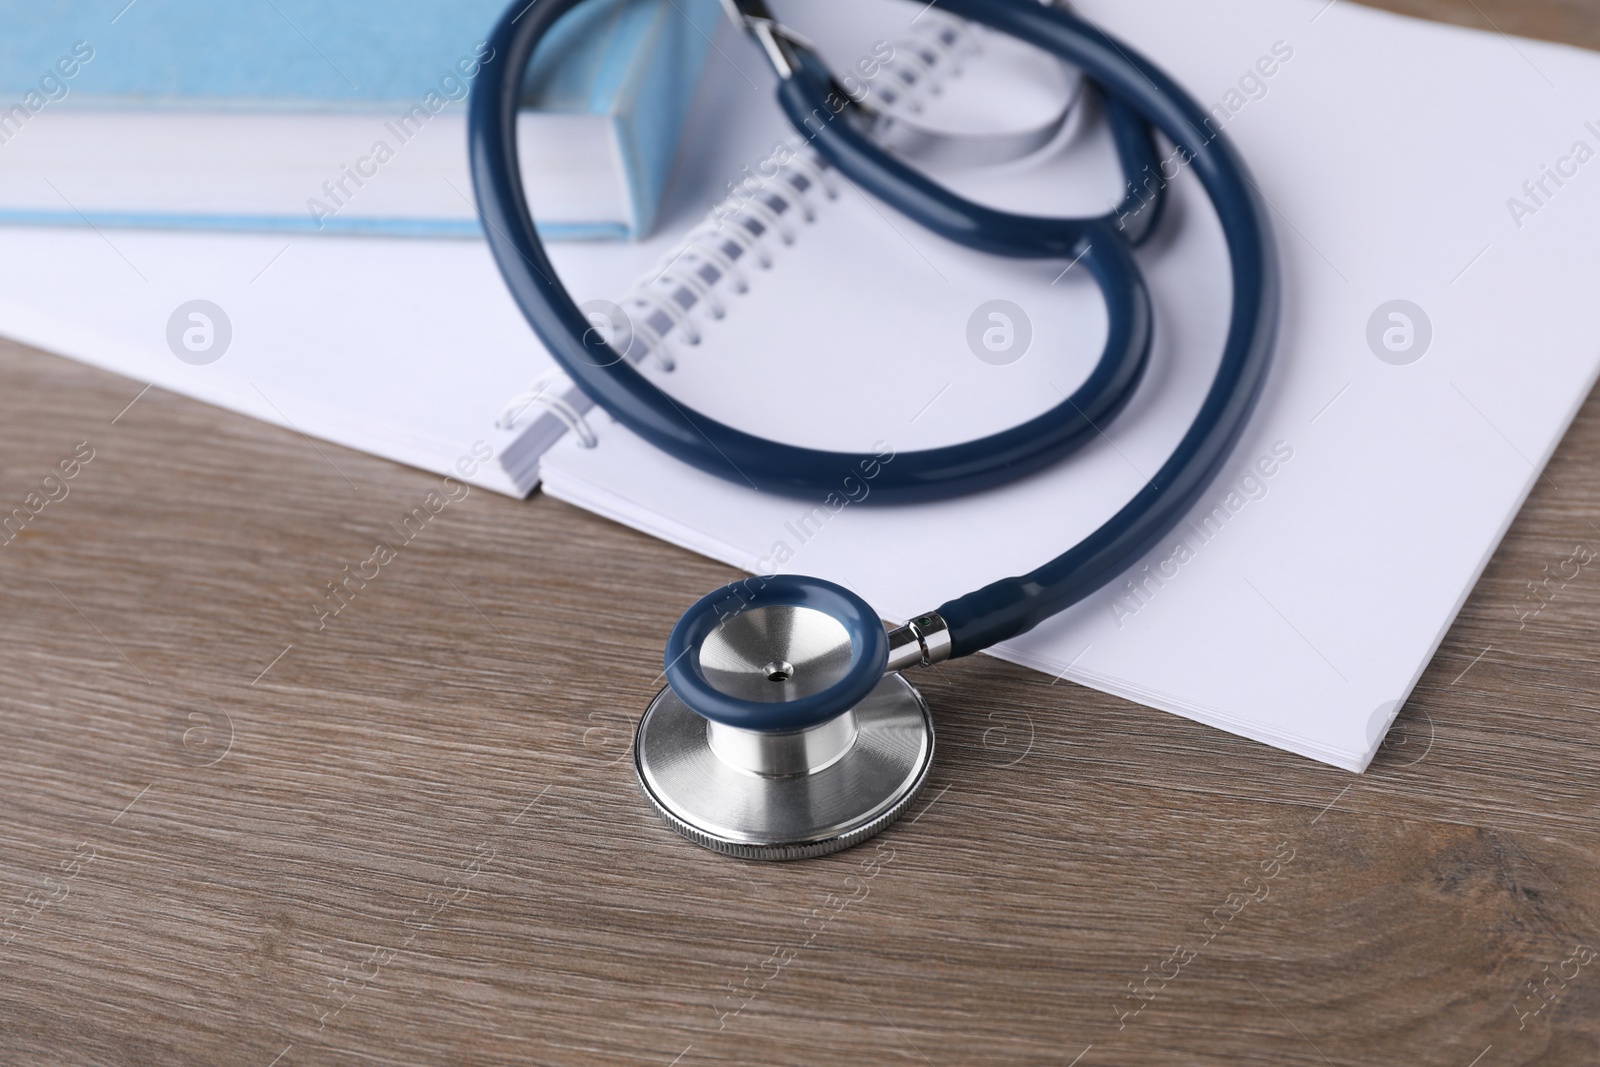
<point x="1139" y="98"/>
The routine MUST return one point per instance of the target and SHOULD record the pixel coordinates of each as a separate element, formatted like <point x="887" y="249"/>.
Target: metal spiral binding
<point x="738" y="228"/>
<point x="938" y="45"/>
<point x="544" y="392"/>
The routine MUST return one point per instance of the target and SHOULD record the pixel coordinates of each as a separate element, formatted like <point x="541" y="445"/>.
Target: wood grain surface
<point x="413" y="835"/>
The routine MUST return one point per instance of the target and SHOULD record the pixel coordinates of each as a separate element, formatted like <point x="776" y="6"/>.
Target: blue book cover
<point x="331" y="118"/>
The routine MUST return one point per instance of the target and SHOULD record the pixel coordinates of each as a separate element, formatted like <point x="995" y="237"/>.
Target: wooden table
<point x="233" y="833"/>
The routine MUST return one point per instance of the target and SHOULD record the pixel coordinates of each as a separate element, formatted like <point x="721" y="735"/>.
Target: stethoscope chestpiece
<point x="781" y="735"/>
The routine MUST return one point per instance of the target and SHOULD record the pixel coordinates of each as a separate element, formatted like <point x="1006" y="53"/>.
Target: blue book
<point x="344" y="118"/>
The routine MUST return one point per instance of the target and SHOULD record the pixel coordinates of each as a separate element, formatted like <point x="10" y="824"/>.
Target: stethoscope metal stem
<point x="779" y="755"/>
<point x="922" y="642"/>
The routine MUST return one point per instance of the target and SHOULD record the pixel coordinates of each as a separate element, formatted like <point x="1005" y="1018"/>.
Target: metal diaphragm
<point x="785" y="796"/>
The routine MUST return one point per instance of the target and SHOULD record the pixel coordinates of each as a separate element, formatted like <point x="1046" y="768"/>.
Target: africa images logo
<point x="199" y="332"/>
<point x="999" y="333"/>
<point x="1399" y="333"/>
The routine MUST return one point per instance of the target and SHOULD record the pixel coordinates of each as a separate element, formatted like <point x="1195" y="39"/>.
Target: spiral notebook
<point x="1436" y="344"/>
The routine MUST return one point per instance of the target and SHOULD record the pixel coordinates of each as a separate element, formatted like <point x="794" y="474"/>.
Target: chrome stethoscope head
<point x="785" y="730"/>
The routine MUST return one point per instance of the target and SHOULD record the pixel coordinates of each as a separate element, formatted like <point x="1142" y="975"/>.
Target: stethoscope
<point x="786" y="729"/>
